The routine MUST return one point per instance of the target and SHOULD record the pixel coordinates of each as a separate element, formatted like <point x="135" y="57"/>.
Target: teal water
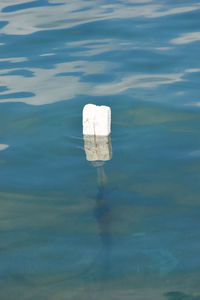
<point x="65" y="234"/>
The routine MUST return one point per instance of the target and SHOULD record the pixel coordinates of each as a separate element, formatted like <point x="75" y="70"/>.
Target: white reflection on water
<point x="95" y="47"/>
<point x="3" y="147"/>
<point x="186" y="38"/>
<point x="73" y="13"/>
<point x="14" y="59"/>
<point x="47" y="54"/>
<point x="197" y="104"/>
<point x="6" y="3"/>
<point x="193" y="70"/>
<point x="163" y="48"/>
<point x="52" y="85"/>
<point x="173" y="11"/>
<point x="48" y="88"/>
<point x="195" y="153"/>
<point x="137" y="81"/>
<point x="56" y="84"/>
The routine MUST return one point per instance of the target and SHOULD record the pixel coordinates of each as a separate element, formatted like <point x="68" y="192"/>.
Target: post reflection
<point x="98" y="150"/>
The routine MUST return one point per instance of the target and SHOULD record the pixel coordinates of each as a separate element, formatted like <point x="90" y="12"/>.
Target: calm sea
<point x="75" y="230"/>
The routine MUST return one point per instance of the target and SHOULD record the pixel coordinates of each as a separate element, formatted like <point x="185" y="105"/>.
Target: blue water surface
<point x="127" y="229"/>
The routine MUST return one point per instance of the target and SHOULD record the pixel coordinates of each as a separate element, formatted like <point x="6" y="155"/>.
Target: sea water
<point x="125" y="229"/>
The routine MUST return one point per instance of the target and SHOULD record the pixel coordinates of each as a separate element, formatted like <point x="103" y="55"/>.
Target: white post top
<point x="96" y="120"/>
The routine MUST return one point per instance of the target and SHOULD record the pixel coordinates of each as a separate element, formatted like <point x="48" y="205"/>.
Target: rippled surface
<point x="63" y="236"/>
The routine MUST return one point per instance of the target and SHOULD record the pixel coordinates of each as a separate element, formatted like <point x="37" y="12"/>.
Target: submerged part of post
<point x="96" y="120"/>
<point x="97" y="148"/>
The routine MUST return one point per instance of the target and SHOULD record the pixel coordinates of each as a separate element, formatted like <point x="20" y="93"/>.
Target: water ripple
<point x="70" y="14"/>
